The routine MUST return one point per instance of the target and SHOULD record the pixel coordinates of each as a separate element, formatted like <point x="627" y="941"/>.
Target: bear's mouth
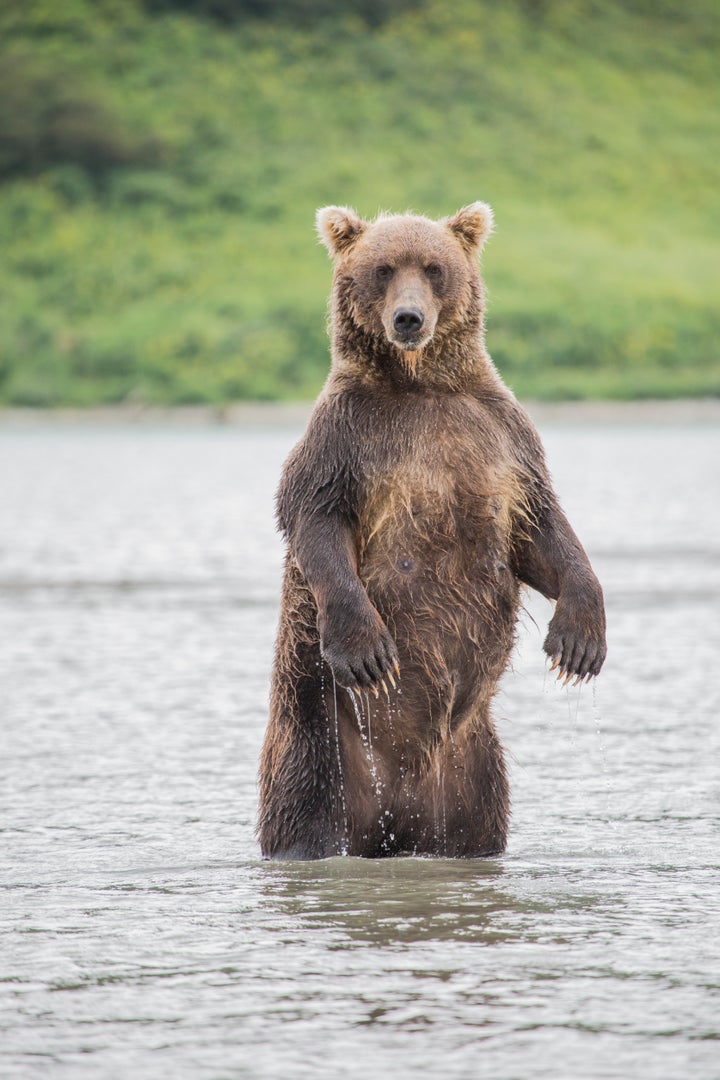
<point x="412" y="344"/>
<point x="404" y="342"/>
<point x="408" y="343"/>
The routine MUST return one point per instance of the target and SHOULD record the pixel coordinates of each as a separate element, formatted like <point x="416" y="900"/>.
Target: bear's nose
<point x="407" y="321"/>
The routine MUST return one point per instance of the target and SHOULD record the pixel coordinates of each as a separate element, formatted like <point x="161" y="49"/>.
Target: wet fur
<point x="414" y="508"/>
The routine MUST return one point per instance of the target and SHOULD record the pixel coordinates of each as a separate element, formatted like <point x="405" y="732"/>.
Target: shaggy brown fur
<point x="414" y="508"/>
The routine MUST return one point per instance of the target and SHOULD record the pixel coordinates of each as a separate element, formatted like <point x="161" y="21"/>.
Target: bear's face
<point x="406" y="279"/>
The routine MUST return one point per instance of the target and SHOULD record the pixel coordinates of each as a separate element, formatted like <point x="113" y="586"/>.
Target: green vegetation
<point x="160" y="165"/>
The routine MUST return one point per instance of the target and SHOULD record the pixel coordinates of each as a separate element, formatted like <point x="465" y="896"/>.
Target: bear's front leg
<point x="354" y="640"/>
<point x="550" y="558"/>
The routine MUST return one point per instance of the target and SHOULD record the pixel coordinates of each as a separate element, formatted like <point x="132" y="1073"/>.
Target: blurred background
<point x="161" y="162"/>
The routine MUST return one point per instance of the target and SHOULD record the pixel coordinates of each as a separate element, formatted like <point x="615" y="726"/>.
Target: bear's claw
<point x="580" y="670"/>
<point x="368" y="661"/>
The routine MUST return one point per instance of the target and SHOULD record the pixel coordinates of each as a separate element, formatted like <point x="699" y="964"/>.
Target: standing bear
<point x="414" y="508"/>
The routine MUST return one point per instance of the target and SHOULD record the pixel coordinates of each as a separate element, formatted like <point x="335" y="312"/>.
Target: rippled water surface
<point x="142" y="936"/>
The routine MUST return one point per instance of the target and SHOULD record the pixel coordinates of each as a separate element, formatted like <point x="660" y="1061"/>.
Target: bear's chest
<point x="436" y="515"/>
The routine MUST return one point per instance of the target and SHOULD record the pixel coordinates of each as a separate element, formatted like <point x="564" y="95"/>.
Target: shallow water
<point x="142" y="934"/>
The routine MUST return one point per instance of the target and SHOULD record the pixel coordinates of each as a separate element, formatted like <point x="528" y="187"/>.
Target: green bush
<point x="45" y="122"/>
<point x="303" y="12"/>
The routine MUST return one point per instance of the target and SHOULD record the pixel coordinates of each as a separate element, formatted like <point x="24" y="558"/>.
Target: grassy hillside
<point x="160" y="168"/>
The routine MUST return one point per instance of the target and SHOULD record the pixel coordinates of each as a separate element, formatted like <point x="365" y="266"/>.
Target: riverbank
<point x="279" y="415"/>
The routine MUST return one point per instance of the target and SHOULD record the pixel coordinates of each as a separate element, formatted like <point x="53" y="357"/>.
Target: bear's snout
<point x="410" y="310"/>
<point x="407" y="321"/>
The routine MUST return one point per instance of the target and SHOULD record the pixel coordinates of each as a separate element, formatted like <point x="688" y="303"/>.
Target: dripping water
<point x="573" y="713"/>
<point x="444" y="810"/>
<point x="366" y="738"/>
<point x="341" y="783"/>
<point x="600" y="738"/>
<point x="377" y="782"/>
<point x="391" y="726"/>
<point x="341" y="776"/>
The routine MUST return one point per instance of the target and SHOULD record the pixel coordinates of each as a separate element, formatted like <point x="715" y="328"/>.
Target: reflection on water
<point x="395" y="902"/>
<point x="408" y="900"/>
<point x="143" y="936"/>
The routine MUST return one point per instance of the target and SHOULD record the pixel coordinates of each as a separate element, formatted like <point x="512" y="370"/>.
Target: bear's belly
<point x="414" y="579"/>
<point x="444" y="586"/>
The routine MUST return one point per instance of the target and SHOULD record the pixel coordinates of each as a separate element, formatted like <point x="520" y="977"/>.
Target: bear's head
<point x="405" y="285"/>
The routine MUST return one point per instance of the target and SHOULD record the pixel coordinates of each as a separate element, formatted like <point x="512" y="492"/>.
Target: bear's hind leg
<point x="463" y="800"/>
<point x="300" y="814"/>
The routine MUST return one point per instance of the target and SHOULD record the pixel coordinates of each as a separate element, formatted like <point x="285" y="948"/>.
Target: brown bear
<point x="414" y="509"/>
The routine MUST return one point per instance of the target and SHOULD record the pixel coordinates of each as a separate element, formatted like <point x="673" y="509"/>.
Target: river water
<point x="143" y="936"/>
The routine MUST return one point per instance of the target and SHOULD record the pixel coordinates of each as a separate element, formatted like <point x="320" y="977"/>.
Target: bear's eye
<point x="434" y="271"/>
<point x="384" y="272"/>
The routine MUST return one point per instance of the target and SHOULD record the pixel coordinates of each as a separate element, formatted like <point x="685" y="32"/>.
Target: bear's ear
<point x="472" y="225"/>
<point x="338" y="227"/>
